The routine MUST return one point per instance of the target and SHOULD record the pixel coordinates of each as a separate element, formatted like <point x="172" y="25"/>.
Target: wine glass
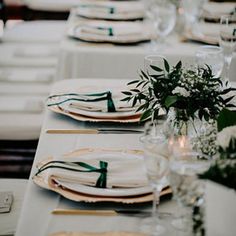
<point x="185" y="166"/>
<point x="156" y="162"/>
<point x="192" y="11"/>
<point x="211" y="56"/>
<point x="162" y="15"/>
<point x="228" y="40"/>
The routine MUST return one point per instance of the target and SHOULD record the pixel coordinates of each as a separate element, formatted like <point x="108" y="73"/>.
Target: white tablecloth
<point x="8" y="221"/>
<point x="35" y="32"/>
<point x="36" y="218"/>
<point x="90" y="60"/>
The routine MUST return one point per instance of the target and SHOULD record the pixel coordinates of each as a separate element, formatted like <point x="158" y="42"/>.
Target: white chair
<point x="36" y="32"/>
<point x="8" y="221"/>
<point x="28" y="55"/>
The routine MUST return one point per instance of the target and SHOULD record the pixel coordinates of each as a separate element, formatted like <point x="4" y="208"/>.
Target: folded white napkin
<point x="101" y="106"/>
<point x="35" y="52"/>
<point x="217" y="9"/>
<point x="122" y="29"/>
<point x="209" y="29"/>
<point x="17" y="104"/>
<point x="127" y="173"/>
<point x="109" y="7"/>
<point x="25" y="76"/>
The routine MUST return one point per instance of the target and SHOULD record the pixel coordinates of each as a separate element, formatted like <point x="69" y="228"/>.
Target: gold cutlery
<point x="84" y="212"/>
<point x="92" y="131"/>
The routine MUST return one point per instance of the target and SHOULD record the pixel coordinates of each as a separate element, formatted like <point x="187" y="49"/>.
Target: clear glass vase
<point x="201" y="133"/>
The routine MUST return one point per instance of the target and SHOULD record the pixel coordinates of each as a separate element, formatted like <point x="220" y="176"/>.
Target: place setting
<point x="94" y="104"/>
<point x="204" y="22"/>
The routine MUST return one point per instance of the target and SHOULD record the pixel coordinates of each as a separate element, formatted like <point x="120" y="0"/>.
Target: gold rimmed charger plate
<point x="98" y="234"/>
<point x="42" y="181"/>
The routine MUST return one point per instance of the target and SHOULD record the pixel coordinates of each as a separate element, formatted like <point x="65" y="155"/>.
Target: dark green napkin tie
<point x="74" y="166"/>
<point x="90" y="98"/>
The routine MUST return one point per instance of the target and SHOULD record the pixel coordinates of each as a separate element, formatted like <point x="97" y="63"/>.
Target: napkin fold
<point x="111" y="30"/>
<point x="215" y="10"/>
<point x="121" y="173"/>
<point x="108" y="7"/>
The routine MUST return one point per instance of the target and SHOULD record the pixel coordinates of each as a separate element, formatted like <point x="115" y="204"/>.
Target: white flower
<point x="225" y="135"/>
<point x="181" y="91"/>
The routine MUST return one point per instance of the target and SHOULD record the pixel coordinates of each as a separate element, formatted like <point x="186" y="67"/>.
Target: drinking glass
<point x="153" y="60"/>
<point x="156" y="161"/>
<point x="192" y="11"/>
<point x="185" y="166"/>
<point x="211" y="56"/>
<point x="228" y="40"/>
<point x="162" y="16"/>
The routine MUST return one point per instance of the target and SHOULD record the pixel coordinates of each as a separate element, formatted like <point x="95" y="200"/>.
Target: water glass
<point x="186" y="187"/>
<point x="211" y="56"/>
<point x="153" y="60"/>
<point x="228" y="40"/>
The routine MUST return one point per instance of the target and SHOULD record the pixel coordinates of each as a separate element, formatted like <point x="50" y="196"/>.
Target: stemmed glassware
<point x="228" y="40"/>
<point x="162" y="16"/>
<point x="212" y="56"/>
<point x="185" y="165"/>
<point x="192" y="11"/>
<point x="156" y="161"/>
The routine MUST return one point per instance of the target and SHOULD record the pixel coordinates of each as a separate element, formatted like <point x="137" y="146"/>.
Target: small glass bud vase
<point x="201" y="133"/>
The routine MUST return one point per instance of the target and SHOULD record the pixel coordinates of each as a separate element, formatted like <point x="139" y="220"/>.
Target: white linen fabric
<point x="216" y="9"/>
<point x="126" y="173"/>
<point x="110" y="31"/>
<point x="102" y="28"/>
<point x="42" y="31"/>
<point x="209" y="29"/>
<point x="111" y="9"/>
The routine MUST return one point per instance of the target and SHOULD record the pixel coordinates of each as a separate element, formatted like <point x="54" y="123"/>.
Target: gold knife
<point x="84" y="212"/>
<point x="92" y="131"/>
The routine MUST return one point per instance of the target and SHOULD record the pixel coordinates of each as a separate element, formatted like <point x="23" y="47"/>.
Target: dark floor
<point x="16" y="158"/>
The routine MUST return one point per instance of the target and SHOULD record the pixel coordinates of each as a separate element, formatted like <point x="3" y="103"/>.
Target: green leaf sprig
<point x="196" y="91"/>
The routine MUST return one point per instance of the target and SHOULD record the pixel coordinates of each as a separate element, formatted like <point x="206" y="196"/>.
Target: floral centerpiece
<point x="186" y="95"/>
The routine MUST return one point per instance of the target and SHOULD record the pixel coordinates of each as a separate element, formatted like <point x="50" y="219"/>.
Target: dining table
<point x="45" y="212"/>
<point x="37" y="216"/>
<point x="81" y="59"/>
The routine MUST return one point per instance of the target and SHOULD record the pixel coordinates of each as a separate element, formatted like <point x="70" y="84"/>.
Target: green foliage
<point x="196" y="91"/>
<point x="226" y="118"/>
